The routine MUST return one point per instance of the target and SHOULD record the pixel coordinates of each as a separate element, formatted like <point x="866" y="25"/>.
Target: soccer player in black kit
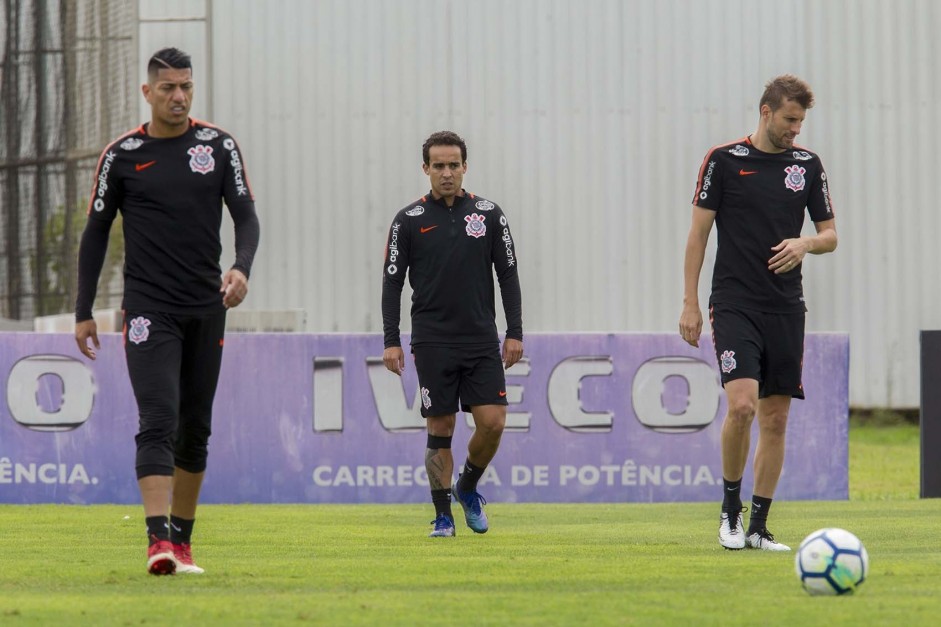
<point x="756" y="190"/>
<point x="169" y="178"/>
<point x="450" y="241"/>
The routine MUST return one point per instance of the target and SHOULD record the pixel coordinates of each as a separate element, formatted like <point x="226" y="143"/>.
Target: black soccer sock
<point x="157" y="528"/>
<point x="181" y="530"/>
<point x="442" y="502"/>
<point x="467" y="481"/>
<point x="759" y="514"/>
<point x="731" y="495"/>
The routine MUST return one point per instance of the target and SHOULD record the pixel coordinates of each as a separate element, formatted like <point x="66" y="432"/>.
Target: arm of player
<point x="505" y="260"/>
<point x="393" y="279"/>
<point x="394" y="359"/>
<point x="106" y="198"/>
<point x="512" y="352"/>
<point x="691" y="316"/>
<point x="234" y="288"/>
<point x="791" y="252"/>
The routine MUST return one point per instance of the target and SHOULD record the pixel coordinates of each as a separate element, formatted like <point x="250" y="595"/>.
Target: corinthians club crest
<point x="475" y="225"/>
<point x="201" y="160"/>
<point x="795" y="177"/>
<point x="728" y="361"/>
<point x="138" y="331"/>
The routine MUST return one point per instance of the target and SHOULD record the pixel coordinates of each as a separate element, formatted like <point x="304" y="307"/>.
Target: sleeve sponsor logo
<point x="201" y="160"/>
<point x="391" y="268"/>
<point x="103" y="177"/>
<point x="795" y="178"/>
<point x="475" y="225"/>
<point x="205" y="134"/>
<point x="237" y="172"/>
<point x="508" y="242"/>
<point x="228" y="143"/>
<point x="484" y="205"/>
<point x="739" y="151"/>
<point x="132" y="143"/>
<point x="707" y="181"/>
<point x="415" y="211"/>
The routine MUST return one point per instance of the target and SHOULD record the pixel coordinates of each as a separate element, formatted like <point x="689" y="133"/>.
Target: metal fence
<point x="66" y="72"/>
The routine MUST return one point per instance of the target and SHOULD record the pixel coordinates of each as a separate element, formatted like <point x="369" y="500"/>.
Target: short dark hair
<point x="786" y="87"/>
<point x="443" y="138"/>
<point x="168" y="58"/>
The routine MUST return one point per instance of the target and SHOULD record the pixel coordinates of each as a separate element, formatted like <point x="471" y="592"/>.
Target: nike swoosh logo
<point x="747" y="172"/>
<point x="428" y="228"/>
<point x="502" y="393"/>
<point x="143" y="166"/>
<point x="175" y="528"/>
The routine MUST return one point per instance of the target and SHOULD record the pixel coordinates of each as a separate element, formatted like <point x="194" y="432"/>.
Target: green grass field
<point x="625" y="564"/>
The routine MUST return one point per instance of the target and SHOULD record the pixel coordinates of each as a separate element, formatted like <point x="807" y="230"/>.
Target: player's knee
<point x="774" y="424"/>
<point x="492" y="424"/>
<point x="742" y="409"/>
<point x="192" y="447"/>
<point x="156" y="429"/>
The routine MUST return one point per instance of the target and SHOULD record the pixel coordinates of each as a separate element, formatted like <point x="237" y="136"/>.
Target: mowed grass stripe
<point x="541" y="564"/>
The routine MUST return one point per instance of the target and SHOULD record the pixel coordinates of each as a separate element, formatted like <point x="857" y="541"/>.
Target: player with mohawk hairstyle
<point x="169" y="178"/>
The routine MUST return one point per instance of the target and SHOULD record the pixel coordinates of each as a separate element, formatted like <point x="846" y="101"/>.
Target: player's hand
<point x="691" y="325"/>
<point x="512" y="352"/>
<point x="234" y="288"/>
<point x="394" y="359"/>
<point x="788" y="255"/>
<point x="84" y="330"/>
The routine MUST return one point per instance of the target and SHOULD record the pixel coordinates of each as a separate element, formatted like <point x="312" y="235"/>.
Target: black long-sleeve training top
<point x="170" y="193"/>
<point x="450" y="254"/>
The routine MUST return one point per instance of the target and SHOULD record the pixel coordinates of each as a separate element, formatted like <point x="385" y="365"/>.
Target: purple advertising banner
<point x="318" y="419"/>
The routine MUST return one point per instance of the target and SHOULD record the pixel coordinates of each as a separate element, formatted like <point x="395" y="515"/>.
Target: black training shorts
<point x="767" y="347"/>
<point x="467" y="374"/>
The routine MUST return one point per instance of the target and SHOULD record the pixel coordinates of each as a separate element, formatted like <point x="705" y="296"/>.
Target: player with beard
<point x="756" y="190"/>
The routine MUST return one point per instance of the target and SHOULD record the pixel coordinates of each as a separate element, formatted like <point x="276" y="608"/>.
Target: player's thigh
<point x="153" y="347"/>
<point x="202" y="359"/>
<point x="483" y="381"/>
<point x="783" y="355"/>
<point x="737" y="338"/>
<point x="438" y="371"/>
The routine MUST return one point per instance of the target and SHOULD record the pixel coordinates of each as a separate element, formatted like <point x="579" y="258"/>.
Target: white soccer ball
<point x="831" y="561"/>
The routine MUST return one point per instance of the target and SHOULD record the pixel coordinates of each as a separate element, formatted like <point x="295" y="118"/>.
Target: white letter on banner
<point x="515" y="420"/>
<point x="23" y="388"/>
<point x="389" y="394"/>
<point x="565" y="393"/>
<point x="702" y="400"/>
<point x="328" y="394"/>
<point x="520" y="475"/>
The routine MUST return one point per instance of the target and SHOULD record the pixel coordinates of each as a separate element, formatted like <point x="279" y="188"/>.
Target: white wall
<point x="587" y="121"/>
